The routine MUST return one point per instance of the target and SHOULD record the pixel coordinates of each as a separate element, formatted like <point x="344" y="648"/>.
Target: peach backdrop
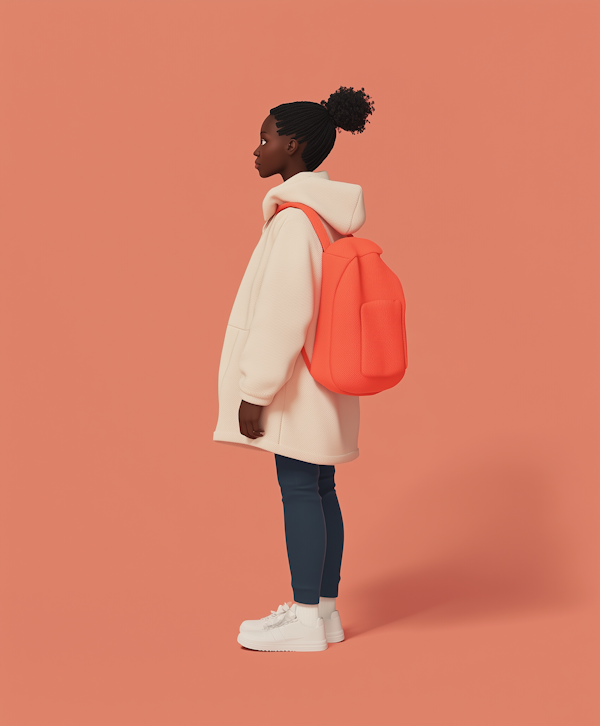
<point x="132" y="545"/>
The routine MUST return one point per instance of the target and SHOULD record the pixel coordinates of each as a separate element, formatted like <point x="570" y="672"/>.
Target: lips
<point x="256" y="164"/>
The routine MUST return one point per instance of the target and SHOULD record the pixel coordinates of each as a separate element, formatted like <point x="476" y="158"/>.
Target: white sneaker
<point x="282" y="630"/>
<point x="333" y="628"/>
<point x="333" y="625"/>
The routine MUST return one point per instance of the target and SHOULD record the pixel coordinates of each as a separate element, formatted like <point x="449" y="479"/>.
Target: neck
<point x="288" y="173"/>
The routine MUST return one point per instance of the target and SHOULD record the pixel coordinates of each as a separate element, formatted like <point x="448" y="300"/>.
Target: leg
<point x="335" y="532"/>
<point x="305" y="532"/>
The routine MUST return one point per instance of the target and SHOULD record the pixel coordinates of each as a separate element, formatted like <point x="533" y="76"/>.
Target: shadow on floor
<point x="504" y="549"/>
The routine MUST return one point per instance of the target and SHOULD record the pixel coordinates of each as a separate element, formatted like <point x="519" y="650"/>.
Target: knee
<point x="298" y="488"/>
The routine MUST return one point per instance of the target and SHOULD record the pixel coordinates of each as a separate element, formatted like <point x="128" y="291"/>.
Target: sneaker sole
<point x="273" y="646"/>
<point x="335" y="637"/>
<point x="332" y="636"/>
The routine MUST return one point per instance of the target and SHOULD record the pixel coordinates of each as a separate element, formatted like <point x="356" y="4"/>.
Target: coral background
<point x="131" y="544"/>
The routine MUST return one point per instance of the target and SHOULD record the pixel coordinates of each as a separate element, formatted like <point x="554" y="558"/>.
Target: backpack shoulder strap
<point x="323" y="238"/>
<point x="314" y="218"/>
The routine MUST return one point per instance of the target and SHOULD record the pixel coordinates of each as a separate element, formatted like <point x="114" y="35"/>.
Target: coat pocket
<point x="231" y="335"/>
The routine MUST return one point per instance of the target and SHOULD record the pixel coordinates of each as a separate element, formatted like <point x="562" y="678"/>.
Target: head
<point x="298" y="136"/>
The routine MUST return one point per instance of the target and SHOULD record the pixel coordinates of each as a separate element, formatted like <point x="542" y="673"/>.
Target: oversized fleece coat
<point x="274" y="314"/>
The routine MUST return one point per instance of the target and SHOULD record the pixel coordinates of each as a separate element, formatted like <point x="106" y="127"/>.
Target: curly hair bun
<point x="349" y="109"/>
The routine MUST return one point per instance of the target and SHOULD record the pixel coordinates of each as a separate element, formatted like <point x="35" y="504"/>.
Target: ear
<point x="292" y="146"/>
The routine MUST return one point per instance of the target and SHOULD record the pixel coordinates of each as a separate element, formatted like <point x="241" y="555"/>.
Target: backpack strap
<point x="323" y="238"/>
<point x="314" y="218"/>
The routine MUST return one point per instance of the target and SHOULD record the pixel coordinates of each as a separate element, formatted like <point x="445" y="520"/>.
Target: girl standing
<point x="268" y="400"/>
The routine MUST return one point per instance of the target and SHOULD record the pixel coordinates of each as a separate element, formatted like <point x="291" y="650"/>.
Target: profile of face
<point x="277" y="154"/>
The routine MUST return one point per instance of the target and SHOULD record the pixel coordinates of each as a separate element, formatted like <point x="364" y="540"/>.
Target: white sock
<point x="307" y="614"/>
<point x="326" y="606"/>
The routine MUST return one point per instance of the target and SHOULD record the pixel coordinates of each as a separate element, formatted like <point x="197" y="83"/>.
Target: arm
<point x="283" y="311"/>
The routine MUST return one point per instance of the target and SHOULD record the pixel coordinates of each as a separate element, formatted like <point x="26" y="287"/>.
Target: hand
<point x="248" y="416"/>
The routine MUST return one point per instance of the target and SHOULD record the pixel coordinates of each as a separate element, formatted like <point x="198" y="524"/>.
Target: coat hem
<point x="271" y="446"/>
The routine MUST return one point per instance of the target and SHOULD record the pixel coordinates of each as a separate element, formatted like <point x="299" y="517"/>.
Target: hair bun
<point x="349" y="109"/>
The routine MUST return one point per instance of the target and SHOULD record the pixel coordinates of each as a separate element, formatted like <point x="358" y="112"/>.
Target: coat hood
<point x="340" y="204"/>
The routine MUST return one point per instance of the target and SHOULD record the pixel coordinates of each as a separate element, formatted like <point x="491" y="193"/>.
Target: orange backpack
<point x="360" y="341"/>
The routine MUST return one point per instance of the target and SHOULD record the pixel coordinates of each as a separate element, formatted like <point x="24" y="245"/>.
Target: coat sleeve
<point x="283" y="311"/>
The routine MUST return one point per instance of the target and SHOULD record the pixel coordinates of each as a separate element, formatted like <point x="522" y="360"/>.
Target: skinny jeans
<point x="314" y="529"/>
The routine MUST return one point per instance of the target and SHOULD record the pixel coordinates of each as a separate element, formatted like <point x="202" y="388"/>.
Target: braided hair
<point x="316" y="123"/>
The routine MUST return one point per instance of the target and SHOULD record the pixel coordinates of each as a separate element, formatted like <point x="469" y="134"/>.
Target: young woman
<point x="267" y="398"/>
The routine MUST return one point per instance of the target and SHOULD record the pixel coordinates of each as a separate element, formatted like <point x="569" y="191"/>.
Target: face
<point x="277" y="154"/>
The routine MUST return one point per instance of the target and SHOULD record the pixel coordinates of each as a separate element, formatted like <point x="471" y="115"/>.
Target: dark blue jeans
<point x="314" y="529"/>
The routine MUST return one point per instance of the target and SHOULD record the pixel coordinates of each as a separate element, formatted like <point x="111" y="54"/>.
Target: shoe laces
<point x="277" y="617"/>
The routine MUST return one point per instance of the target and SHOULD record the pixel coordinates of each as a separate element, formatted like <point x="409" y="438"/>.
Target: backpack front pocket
<point x="382" y="338"/>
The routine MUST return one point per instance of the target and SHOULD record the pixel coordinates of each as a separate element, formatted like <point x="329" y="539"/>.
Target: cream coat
<point x="274" y="314"/>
